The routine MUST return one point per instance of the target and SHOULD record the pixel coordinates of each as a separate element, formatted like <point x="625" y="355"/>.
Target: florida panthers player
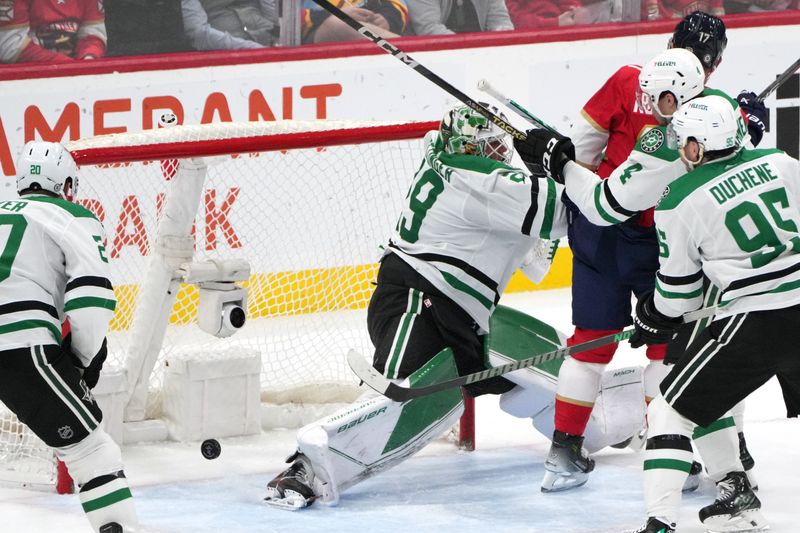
<point x="468" y="222"/>
<point x="735" y="219"/>
<point x="54" y="266"/>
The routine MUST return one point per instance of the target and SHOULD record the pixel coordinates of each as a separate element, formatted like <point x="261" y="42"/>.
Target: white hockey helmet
<point x="465" y="131"/>
<point x="47" y="167"/>
<point x="677" y="71"/>
<point x="714" y="122"/>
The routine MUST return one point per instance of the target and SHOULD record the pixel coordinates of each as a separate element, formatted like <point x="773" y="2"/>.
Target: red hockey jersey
<point x="615" y="117"/>
<point x="51" y="30"/>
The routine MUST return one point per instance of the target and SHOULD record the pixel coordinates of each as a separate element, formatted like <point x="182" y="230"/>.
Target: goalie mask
<point x="713" y="122"/>
<point x="465" y="131"/>
<point x="703" y="35"/>
<point x="676" y="71"/>
<point x="44" y="166"/>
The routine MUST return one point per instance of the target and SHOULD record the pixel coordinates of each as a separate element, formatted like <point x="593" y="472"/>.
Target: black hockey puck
<point x="210" y="449"/>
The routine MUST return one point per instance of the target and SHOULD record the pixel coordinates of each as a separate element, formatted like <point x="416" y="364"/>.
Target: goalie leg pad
<point x="376" y="434"/>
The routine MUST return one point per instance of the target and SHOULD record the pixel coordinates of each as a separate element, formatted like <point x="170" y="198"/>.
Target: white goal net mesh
<point x="308" y="205"/>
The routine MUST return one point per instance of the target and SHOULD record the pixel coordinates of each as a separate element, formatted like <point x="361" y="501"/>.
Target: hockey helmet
<point x="676" y="71"/>
<point x="465" y="131"/>
<point x="703" y="35"/>
<point x="714" y="122"/>
<point x="45" y="166"/>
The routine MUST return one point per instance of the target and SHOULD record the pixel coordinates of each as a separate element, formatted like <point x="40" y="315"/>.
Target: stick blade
<point x="367" y="373"/>
<point x="375" y="380"/>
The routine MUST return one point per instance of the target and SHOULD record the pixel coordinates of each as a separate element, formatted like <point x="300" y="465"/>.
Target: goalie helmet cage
<point x="307" y="204"/>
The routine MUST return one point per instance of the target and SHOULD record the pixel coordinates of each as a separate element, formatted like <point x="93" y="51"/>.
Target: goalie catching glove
<point x="546" y="150"/>
<point x="652" y="327"/>
<point x="90" y="373"/>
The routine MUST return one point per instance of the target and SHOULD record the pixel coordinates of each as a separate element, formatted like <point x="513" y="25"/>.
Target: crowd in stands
<point x="72" y="30"/>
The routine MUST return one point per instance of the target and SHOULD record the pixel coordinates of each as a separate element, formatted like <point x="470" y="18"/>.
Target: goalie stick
<point x="407" y="60"/>
<point x="378" y="382"/>
<point x="485" y="86"/>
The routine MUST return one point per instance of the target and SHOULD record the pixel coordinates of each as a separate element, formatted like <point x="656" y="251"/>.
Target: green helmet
<point x="465" y="131"/>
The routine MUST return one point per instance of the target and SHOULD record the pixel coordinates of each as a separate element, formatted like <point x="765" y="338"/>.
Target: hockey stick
<point x="407" y="60"/>
<point x="485" y="86"/>
<point x="378" y="382"/>
<point x="779" y="80"/>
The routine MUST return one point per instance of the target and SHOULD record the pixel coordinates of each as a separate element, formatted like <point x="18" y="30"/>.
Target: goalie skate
<point x="292" y="489"/>
<point x="567" y="465"/>
<point x="736" y="509"/>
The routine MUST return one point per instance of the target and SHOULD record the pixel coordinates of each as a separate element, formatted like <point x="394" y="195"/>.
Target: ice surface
<point x="495" y="488"/>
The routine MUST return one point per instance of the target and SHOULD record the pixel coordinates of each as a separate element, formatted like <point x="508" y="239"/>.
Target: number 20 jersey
<point x="53" y="264"/>
<point x="468" y="222"/>
<point x="738" y="222"/>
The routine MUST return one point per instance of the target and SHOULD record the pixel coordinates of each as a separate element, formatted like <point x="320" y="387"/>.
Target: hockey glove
<point x="757" y="115"/>
<point x="652" y="327"/>
<point x="546" y="150"/>
<point x="91" y="373"/>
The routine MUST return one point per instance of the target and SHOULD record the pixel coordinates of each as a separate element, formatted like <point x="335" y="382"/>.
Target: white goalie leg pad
<point x="619" y="412"/>
<point x="718" y="446"/>
<point x="534" y="395"/>
<point x="376" y="434"/>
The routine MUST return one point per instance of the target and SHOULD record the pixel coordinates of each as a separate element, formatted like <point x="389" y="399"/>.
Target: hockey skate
<point x="747" y="462"/>
<point x="292" y="489"/>
<point x="567" y="465"/>
<point x="655" y="525"/>
<point x="736" y="509"/>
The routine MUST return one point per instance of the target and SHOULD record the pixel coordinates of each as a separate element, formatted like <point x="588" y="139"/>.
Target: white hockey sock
<point x="738" y="416"/>
<point x="667" y="460"/>
<point x="579" y="382"/>
<point x="718" y="446"/>
<point x="107" y="499"/>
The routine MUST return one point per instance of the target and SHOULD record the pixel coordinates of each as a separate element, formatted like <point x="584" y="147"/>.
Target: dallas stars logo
<point x="652" y="141"/>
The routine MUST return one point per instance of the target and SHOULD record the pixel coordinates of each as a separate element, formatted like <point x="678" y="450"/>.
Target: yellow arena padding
<point x="312" y="291"/>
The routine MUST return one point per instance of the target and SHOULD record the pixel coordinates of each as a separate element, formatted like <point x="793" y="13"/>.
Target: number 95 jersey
<point x="738" y="222"/>
<point x="53" y="264"/>
<point x="468" y="222"/>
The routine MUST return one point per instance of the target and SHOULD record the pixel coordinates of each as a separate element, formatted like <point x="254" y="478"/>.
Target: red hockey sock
<point x="572" y="417"/>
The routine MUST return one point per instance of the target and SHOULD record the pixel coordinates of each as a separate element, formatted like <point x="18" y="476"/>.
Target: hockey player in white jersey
<point x="734" y="218"/>
<point x="468" y="222"/>
<point x="54" y="267"/>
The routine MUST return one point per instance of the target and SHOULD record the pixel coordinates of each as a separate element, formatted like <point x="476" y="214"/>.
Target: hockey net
<point x="307" y="204"/>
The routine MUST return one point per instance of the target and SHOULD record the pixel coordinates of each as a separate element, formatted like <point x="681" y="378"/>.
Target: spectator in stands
<point x="230" y="24"/>
<point x="387" y="18"/>
<point x="666" y="9"/>
<point x="548" y="13"/>
<point x="745" y="6"/>
<point x="442" y="17"/>
<point x="54" y="31"/>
